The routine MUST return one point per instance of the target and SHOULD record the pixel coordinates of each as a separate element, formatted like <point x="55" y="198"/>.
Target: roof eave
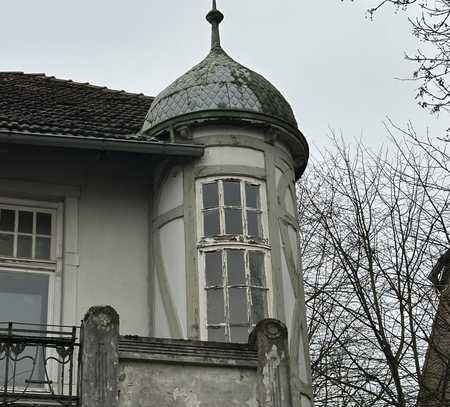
<point x="103" y="144"/>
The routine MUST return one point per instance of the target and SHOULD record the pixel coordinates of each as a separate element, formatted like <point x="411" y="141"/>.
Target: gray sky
<point x="336" y="67"/>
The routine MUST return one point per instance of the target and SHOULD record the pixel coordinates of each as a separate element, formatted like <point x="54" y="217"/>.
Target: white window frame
<point x="203" y="291"/>
<point x="263" y="240"/>
<point x="52" y="267"/>
<point x="230" y="242"/>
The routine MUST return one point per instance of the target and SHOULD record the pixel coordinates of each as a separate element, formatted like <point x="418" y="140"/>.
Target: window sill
<point x="233" y="240"/>
<point x="28" y="264"/>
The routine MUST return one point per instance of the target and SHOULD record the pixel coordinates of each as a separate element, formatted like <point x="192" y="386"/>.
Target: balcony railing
<point x="38" y="365"/>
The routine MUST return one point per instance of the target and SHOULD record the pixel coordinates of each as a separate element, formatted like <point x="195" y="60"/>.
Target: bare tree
<point x="372" y="228"/>
<point x="432" y="28"/>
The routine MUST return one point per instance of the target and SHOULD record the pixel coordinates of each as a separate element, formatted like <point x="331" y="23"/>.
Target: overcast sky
<point x="337" y="68"/>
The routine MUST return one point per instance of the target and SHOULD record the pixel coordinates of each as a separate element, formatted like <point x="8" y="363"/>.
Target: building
<point x="435" y="380"/>
<point x="178" y="211"/>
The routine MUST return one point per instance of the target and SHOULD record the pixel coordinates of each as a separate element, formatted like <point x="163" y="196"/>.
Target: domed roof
<point x="219" y="83"/>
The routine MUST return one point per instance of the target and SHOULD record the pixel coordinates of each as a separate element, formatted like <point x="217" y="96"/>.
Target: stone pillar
<point x="99" y="358"/>
<point x="271" y="340"/>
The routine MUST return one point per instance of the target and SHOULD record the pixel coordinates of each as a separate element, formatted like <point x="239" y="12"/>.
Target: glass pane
<point x="232" y="193"/>
<point x="24" y="246"/>
<point x="239" y="334"/>
<point x="233" y="221"/>
<point x="216" y="334"/>
<point x="213" y="265"/>
<point x="24" y="298"/>
<point x="254" y="224"/>
<point x="238" y="305"/>
<point x="7" y="218"/>
<point x="258" y="304"/>
<point x="211" y="222"/>
<point x="235" y="267"/>
<point x="42" y="248"/>
<point x="252" y="196"/>
<point x="44" y="224"/>
<point x="256" y="263"/>
<point x="25" y="222"/>
<point x="215" y="306"/>
<point x="6" y="245"/>
<point x="210" y="195"/>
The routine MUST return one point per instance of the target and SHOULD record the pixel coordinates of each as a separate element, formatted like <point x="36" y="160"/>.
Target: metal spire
<point x="215" y="17"/>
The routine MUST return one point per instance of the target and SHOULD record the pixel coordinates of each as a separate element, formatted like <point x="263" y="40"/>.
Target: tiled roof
<point x="219" y="83"/>
<point x="36" y="103"/>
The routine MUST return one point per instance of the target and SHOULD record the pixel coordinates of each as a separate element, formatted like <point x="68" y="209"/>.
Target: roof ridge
<point x="70" y="81"/>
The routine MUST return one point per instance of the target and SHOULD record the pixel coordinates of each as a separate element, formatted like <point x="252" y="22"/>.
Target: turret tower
<point x="224" y="226"/>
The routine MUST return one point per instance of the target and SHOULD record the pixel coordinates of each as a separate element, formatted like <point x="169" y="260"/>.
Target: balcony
<point x="38" y="365"/>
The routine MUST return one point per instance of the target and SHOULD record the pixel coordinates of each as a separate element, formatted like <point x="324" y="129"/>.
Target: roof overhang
<point x="129" y="145"/>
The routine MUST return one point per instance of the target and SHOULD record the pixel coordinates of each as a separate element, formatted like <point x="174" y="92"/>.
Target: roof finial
<point x="215" y="17"/>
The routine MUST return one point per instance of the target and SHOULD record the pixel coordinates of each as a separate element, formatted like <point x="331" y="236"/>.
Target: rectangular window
<point x="28" y="241"/>
<point x="24" y="301"/>
<point x="23" y="297"/>
<point x="232" y="207"/>
<point x="236" y="293"/>
<point x="26" y="233"/>
<point x="235" y="253"/>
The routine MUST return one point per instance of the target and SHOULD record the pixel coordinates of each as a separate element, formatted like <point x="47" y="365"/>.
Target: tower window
<point x="236" y="293"/>
<point x="231" y="207"/>
<point x="234" y="257"/>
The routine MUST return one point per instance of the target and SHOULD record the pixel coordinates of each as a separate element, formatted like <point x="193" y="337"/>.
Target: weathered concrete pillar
<point x="270" y="338"/>
<point x="99" y="358"/>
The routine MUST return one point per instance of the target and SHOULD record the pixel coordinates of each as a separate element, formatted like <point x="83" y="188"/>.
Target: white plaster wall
<point x="302" y="367"/>
<point x="278" y="175"/>
<point x="113" y="241"/>
<point x="170" y="194"/>
<point x="109" y="261"/>
<point x="161" y="325"/>
<point x="290" y="203"/>
<point x="173" y="258"/>
<point x="293" y="241"/>
<point x="288" y="292"/>
<point x="223" y="155"/>
<point x="228" y="130"/>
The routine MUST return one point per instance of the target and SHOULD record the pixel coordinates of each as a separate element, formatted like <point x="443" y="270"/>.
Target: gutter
<point x="101" y="143"/>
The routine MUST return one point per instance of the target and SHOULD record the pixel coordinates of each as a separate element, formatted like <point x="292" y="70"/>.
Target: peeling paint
<point x="271" y="375"/>
<point x="190" y="399"/>
<point x="160" y="384"/>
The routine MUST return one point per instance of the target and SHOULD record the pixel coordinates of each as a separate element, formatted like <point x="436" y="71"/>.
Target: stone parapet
<point x="131" y="371"/>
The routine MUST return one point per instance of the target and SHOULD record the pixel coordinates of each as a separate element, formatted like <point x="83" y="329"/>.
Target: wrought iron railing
<point x="38" y="364"/>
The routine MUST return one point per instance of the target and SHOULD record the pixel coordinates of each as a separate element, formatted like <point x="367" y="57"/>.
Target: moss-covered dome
<point x="219" y="83"/>
<point x="216" y="85"/>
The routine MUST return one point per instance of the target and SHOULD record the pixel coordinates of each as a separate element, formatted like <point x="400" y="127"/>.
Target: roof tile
<point x="41" y="104"/>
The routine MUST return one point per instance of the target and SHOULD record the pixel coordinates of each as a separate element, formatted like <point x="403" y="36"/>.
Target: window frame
<point x="34" y="209"/>
<point x="224" y="242"/>
<point x="204" y="288"/>
<point x="262" y="211"/>
<point x="52" y="267"/>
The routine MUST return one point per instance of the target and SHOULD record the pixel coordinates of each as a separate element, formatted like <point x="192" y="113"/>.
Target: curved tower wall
<point x="231" y="152"/>
<point x="167" y="280"/>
